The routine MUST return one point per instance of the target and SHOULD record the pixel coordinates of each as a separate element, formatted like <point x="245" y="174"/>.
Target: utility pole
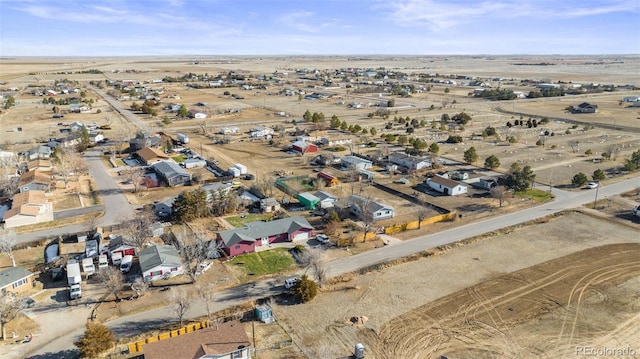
<point x="596" y="199"/>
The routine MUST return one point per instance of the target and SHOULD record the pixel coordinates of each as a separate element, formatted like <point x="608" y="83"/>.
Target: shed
<point x="308" y="200"/>
<point x="264" y="313"/>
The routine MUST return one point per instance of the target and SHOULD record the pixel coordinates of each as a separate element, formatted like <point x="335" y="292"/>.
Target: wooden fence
<point x="414" y="224"/>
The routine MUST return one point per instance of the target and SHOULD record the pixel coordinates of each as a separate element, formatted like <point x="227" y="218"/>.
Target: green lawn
<point x="180" y="158"/>
<point x="537" y="194"/>
<point x="262" y="263"/>
<point x="236" y="221"/>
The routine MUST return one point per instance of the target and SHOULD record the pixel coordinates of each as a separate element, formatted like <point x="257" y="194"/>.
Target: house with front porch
<point x="255" y="234"/>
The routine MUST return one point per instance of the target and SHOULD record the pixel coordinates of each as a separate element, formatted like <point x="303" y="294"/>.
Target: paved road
<point x="118" y="107"/>
<point x="117" y="208"/>
<point x="139" y="322"/>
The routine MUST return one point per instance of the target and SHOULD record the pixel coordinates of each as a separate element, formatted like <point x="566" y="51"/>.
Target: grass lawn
<point x="236" y="221"/>
<point x="537" y="194"/>
<point x="181" y="158"/>
<point x="262" y="263"/>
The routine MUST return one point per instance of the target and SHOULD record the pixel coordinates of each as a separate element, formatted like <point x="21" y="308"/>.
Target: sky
<point x="317" y="27"/>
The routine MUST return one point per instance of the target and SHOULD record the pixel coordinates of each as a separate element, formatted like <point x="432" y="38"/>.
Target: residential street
<point x="117" y="208"/>
<point x="139" y="322"/>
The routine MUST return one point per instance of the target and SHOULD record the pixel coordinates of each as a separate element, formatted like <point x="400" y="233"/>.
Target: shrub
<point x="305" y="289"/>
<point x="454" y="139"/>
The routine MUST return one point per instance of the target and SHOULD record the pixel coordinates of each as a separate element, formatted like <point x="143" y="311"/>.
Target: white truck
<point x="184" y="139"/>
<point x="88" y="267"/>
<point x="74" y="278"/>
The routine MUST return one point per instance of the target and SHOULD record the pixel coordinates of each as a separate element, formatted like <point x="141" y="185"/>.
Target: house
<point x="360" y="207"/>
<point x="308" y="200"/>
<point x="269" y="205"/>
<point x="143" y="141"/>
<point x="171" y="173"/>
<point x="229" y="130"/>
<point x="149" y="156"/>
<point x="164" y="208"/>
<point x="64" y="142"/>
<point x="194" y="163"/>
<point x="446" y="186"/>
<point x="35" y="180"/>
<point x="15" y="280"/>
<point x="357" y="162"/>
<point x="631" y="99"/>
<point x="197" y="114"/>
<point x="303" y="147"/>
<point x="326" y="199"/>
<point x="96" y="137"/>
<point x="329" y="179"/>
<point x="254" y="234"/>
<point x="160" y="262"/>
<point x="487" y="182"/>
<point x="28" y="207"/>
<point x="221" y="341"/>
<point x="120" y="244"/>
<point x="41" y="164"/>
<point x="261" y="131"/>
<point x="584" y="108"/>
<point x="408" y="161"/>
<point x="340" y="141"/>
<point x="38" y="152"/>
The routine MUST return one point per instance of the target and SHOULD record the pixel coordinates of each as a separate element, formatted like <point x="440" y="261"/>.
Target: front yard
<point x="249" y="266"/>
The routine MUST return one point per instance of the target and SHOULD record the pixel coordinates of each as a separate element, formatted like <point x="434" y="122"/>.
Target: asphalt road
<point x="118" y="107"/>
<point x="117" y="208"/>
<point x="139" y="322"/>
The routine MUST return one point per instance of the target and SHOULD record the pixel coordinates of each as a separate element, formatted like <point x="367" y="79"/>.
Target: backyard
<point x="249" y="266"/>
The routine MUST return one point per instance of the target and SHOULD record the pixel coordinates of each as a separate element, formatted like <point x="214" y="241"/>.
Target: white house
<point x="447" y="186"/>
<point x="408" y="161"/>
<point x="229" y="130"/>
<point x="261" y="131"/>
<point x="160" y="262"/>
<point x="357" y="162"/>
<point x="326" y="199"/>
<point x="360" y="207"/>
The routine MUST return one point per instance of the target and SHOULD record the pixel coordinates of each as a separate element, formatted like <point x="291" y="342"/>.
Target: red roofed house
<point x="331" y="180"/>
<point x="304" y="147"/>
<point x="222" y="341"/>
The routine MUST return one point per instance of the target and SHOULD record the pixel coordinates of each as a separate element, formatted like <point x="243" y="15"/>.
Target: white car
<point x="592" y="185"/>
<point x="322" y="238"/>
<point x="289" y="283"/>
<point x="203" y="267"/>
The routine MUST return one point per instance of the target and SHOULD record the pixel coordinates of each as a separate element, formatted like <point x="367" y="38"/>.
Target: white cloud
<point x="299" y="20"/>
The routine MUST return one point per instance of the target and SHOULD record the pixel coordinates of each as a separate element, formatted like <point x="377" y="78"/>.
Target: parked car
<point x="290" y="282"/>
<point x="592" y="185"/>
<point x="322" y="238"/>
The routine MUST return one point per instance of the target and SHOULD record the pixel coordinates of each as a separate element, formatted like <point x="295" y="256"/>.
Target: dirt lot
<point x="574" y="286"/>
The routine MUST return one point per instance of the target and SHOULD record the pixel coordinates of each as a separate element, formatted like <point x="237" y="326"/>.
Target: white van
<point x="126" y="263"/>
<point x="289" y="283"/>
<point x="103" y="262"/>
<point x="116" y="258"/>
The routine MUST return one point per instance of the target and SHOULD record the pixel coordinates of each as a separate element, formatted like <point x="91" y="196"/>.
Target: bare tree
<point x="614" y="151"/>
<point x="575" y="146"/>
<point x="138" y="228"/>
<point x="206" y="292"/>
<point x="10" y="307"/>
<point x="7" y="241"/>
<point x="68" y="164"/>
<point x="113" y="281"/>
<point x="500" y="193"/>
<point x="316" y="261"/>
<point x="140" y="287"/>
<point x="365" y="213"/>
<point x="193" y="247"/>
<point x="134" y="175"/>
<point x="179" y="303"/>
<point x="9" y="179"/>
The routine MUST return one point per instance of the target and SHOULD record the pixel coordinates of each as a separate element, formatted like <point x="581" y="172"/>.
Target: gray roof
<point x="322" y="195"/>
<point x="254" y="230"/>
<point x="372" y="206"/>
<point x="169" y="169"/>
<point x="119" y="241"/>
<point x="12" y="275"/>
<point x="449" y="183"/>
<point x="156" y="255"/>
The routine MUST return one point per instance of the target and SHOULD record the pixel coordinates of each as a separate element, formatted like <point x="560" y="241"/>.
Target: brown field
<point x="576" y="285"/>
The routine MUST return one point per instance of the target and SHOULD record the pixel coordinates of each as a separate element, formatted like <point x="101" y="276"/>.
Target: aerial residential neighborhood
<point x="202" y="204"/>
